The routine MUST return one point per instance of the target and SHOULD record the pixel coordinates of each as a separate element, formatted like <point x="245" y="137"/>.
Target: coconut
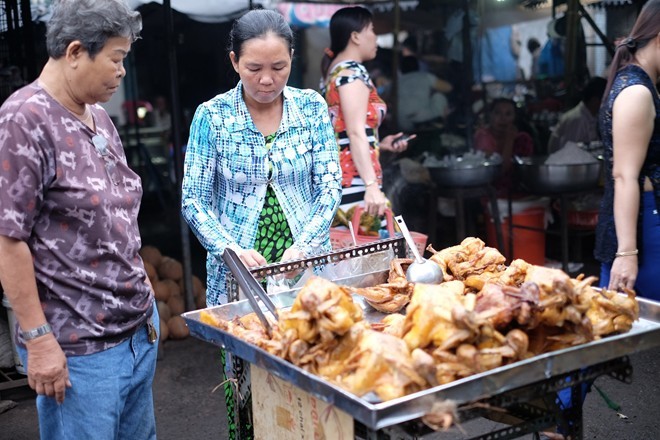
<point x="198" y="286"/>
<point x="200" y="300"/>
<point x="176" y="305"/>
<point x="152" y="273"/>
<point x="162" y="291"/>
<point x="164" y="310"/>
<point x="178" y="328"/>
<point x="164" y="330"/>
<point x="173" y="286"/>
<point x="151" y="255"/>
<point x="170" y="269"/>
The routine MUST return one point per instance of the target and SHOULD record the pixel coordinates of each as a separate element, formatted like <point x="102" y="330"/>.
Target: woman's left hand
<point x="390" y="143"/>
<point x="292" y="253"/>
<point x="623" y="273"/>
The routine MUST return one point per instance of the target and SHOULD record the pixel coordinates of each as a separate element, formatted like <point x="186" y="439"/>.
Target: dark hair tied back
<point x="644" y="31"/>
<point x="256" y="24"/>
<point x="343" y="23"/>
<point x="630" y="43"/>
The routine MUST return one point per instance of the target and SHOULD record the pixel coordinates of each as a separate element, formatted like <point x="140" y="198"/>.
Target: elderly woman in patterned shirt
<point x="262" y="173"/>
<point x="69" y="238"/>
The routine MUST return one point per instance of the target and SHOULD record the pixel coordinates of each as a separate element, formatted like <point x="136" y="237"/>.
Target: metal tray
<point x="644" y="335"/>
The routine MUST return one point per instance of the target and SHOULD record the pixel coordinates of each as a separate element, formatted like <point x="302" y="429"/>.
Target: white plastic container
<point x="12" y="332"/>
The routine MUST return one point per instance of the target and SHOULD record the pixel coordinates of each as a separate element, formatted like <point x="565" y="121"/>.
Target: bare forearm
<point x="360" y="153"/>
<point x="626" y="210"/>
<point x="443" y="86"/>
<point x="19" y="284"/>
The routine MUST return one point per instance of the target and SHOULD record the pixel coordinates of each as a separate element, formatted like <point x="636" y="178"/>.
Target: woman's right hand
<point x="375" y="201"/>
<point x="624" y="273"/>
<point x="252" y="258"/>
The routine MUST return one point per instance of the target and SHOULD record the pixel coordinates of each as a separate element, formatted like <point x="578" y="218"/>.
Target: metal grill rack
<point x="398" y="245"/>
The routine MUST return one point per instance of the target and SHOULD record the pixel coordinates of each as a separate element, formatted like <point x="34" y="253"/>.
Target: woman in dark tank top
<point x="628" y="231"/>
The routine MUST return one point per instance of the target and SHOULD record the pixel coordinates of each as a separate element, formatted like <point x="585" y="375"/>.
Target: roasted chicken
<point x="392" y="296"/>
<point x="370" y="361"/>
<point x="483" y="316"/>
<point x="439" y="314"/>
<point x="471" y="257"/>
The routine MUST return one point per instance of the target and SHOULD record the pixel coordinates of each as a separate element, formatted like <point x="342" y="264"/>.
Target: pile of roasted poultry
<point x="484" y="315"/>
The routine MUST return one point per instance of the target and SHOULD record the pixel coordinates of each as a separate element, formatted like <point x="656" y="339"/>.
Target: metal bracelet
<point x="36" y="332"/>
<point x="626" y="253"/>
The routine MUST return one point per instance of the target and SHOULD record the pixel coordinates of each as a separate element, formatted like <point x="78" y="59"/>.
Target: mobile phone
<point x="403" y="137"/>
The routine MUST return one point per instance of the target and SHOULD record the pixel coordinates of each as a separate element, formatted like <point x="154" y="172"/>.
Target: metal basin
<point x="465" y="175"/>
<point x="538" y="177"/>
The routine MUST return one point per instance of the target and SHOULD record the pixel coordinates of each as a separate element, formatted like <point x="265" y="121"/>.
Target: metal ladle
<point x="420" y="270"/>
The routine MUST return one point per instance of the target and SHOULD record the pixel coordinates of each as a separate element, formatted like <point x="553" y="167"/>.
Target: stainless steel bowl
<point x="460" y="175"/>
<point x="538" y="177"/>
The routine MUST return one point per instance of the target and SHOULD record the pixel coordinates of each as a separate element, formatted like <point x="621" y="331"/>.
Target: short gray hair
<point x="92" y="22"/>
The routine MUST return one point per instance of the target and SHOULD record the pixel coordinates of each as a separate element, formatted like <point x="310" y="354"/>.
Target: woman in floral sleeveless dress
<point x="356" y="110"/>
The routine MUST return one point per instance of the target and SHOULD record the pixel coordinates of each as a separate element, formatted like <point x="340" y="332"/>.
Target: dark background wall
<point x="203" y="65"/>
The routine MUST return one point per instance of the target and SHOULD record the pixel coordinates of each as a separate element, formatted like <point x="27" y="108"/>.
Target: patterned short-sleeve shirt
<point x="75" y="202"/>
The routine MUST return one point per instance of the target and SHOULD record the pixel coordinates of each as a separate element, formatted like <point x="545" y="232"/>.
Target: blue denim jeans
<point x="647" y="281"/>
<point x="110" y="396"/>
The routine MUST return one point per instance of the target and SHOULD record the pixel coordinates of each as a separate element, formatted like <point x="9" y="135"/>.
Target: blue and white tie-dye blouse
<point x="226" y="174"/>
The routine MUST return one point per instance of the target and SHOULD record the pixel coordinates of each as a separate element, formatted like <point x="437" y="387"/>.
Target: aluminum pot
<point x="461" y="175"/>
<point x="538" y="177"/>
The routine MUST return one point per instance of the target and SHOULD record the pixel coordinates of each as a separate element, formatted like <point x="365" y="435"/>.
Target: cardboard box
<point x="283" y="411"/>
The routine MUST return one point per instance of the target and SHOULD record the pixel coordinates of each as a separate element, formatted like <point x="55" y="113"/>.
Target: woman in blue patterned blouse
<point x="261" y="173"/>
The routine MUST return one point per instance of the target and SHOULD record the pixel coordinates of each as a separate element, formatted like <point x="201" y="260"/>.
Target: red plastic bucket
<point x="528" y="245"/>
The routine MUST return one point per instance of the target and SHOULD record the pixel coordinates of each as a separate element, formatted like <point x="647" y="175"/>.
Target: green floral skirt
<point x="273" y="238"/>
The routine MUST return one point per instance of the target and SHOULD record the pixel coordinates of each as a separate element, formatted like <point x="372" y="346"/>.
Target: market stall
<point x="520" y="394"/>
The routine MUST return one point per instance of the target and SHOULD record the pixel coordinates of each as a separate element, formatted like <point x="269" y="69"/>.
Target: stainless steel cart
<point x="524" y="391"/>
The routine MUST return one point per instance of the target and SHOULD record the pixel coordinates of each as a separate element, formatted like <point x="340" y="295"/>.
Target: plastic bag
<point x="366" y="268"/>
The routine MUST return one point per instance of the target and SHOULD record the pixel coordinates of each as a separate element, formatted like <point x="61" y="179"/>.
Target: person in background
<point x="580" y="124"/>
<point x="421" y="96"/>
<point x="355" y="108"/>
<point x="161" y="116"/>
<point x="501" y="135"/>
<point x="628" y="230"/>
<point x="409" y="48"/>
<point x="534" y="48"/>
<point x="550" y="61"/>
<point x="69" y="241"/>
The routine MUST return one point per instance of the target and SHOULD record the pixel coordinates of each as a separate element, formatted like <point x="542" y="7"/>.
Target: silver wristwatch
<point x="35" y="332"/>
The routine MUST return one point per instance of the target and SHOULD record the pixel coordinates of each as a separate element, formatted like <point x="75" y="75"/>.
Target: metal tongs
<point x="251" y="287"/>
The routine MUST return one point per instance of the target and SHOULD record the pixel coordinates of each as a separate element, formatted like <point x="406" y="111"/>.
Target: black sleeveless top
<point x="606" y="242"/>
